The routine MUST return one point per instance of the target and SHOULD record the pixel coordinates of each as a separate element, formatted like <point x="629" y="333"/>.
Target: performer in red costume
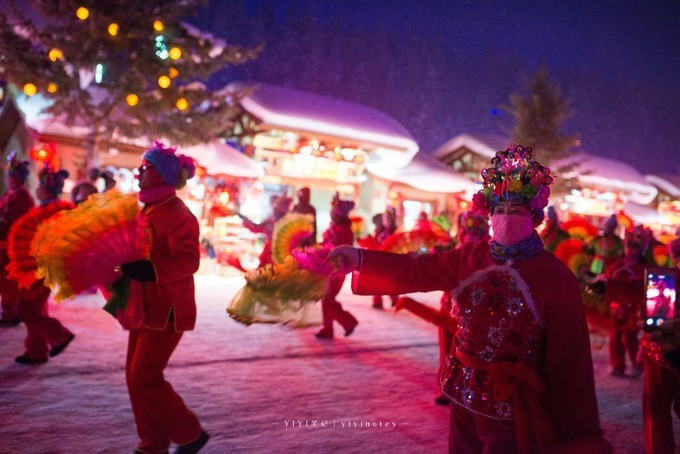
<point x="15" y="203"/>
<point x="521" y="378"/>
<point x="338" y="233"/>
<point x="169" y="305"/>
<point x="625" y="293"/>
<point x="280" y="206"/>
<point x="42" y="330"/>
<point x="661" y="392"/>
<point x="304" y="207"/>
<point x="389" y="226"/>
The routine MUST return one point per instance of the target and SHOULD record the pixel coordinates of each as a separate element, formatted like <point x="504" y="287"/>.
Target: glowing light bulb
<point x="113" y="29"/>
<point x="132" y="99"/>
<point x="182" y="104"/>
<point x="172" y="72"/>
<point x="158" y="25"/>
<point x="52" y="87"/>
<point x="175" y="53"/>
<point x="55" y="54"/>
<point x="30" y="89"/>
<point x="164" y="81"/>
<point x="82" y="13"/>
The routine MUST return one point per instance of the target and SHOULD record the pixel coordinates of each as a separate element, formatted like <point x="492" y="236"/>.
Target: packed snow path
<point x="261" y="388"/>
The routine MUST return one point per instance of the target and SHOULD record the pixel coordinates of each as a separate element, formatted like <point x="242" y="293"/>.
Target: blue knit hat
<point x="173" y="168"/>
<point x="51" y="180"/>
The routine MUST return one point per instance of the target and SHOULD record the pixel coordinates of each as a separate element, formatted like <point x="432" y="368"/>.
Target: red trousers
<point x="660" y="394"/>
<point x="43" y="330"/>
<point x="332" y="310"/>
<point x="473" y="433"/>
<point x="620" y="342"/>
<point x="160" y="413"/>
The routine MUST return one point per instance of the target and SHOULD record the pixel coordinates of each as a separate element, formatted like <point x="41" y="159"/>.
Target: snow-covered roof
<point x="644" y="214"/>
<point x="220" y="158"/>
<point x="286" y="108"/>
<point x="426" y="174"/>
<point x="609" y="174"/>
<point x="668" y="183"/>
<point x="485" y="145"/>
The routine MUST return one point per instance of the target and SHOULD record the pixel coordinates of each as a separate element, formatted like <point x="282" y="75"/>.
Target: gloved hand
<point x="139" y="270"/>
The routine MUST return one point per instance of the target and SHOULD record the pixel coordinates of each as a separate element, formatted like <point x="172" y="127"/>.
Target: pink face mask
<point x="510" y="229"/>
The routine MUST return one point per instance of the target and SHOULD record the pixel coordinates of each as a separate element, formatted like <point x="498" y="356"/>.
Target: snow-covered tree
<point x="121" y="68"/>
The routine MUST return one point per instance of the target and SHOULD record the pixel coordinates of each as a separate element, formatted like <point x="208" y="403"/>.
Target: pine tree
<point x="539" y="116"/>
<point x="122" y="68"/>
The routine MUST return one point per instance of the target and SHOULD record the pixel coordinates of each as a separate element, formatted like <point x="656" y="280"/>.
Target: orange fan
<point x="580" y="228"/>
<point x="414" y="241"/>
<point x="22" y="265"/>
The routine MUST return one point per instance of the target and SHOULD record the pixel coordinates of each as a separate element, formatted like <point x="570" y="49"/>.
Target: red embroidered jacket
<point x="175" y="257"/>
<point x="559" y="346"/>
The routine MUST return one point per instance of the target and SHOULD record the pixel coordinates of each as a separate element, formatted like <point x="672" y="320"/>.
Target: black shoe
<point x="27" y="360"/>
<point x="377" y="306"/>
<point x="60" y="348"/>
<point x="8" y="323"/>
<point x="442" y="400"/>
<point x="137" y="451"/>
<point x="194" y="446"/>
<point x="323" y="334"/>
<point x="350" y="330"/>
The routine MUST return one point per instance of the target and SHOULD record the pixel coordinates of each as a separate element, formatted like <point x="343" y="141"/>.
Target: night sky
<point x="617" y="61"/>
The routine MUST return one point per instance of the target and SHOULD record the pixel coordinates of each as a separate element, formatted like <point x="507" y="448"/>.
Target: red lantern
<point x="43" y="152"/>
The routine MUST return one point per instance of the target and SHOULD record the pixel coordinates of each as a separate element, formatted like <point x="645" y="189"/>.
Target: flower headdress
<point x="173" y="168"/>
<point x="514" y="176"/>
<point x="474" y="221"/>
<point x="638" y="237"/>
<point x="16" y="168"/>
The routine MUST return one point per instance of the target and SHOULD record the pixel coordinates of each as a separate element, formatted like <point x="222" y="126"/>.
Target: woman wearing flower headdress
<point x="280" y="207"/>
<point x="43" y="331"/>
<point x="167" y="278"/>
<point x="14" y="203"/>
<point x="521" y="376"/>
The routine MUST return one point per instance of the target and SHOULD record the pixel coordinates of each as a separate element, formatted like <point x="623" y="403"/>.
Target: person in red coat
<point x="388" y="227"/>
<point x="305" y="207"/>
<point x="280" y="207"/>
<point x="169" y="305"/>
<point x="521" y="377"/>
<point x="338" y="233"/>
<point x="15" y="203"/>
<point x="42" y="331"/>
<point x="661" y="392"/>
<point x="625" y="293"/>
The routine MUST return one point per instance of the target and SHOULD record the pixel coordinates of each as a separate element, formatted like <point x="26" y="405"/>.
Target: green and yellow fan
<point x="290" y="232"/>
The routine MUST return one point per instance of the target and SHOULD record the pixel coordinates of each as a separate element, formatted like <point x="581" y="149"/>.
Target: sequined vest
<point x="497" y="321"/>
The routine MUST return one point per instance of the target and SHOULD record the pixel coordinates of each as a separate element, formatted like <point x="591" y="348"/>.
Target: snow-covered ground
<point x="261" y="388"/>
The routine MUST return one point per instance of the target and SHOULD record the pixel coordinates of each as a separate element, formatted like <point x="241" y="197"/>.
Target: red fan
<point x="22" y="265"/>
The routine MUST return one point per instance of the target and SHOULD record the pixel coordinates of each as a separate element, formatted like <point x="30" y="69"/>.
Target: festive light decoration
<point x="158" y="25"/>
<point x="113" y="29"/>
<point x="132" y="99"/>
<point x="161" y="48"/>
<point x="43" y="152"/>
<point x="30" y="89"/>
<point x="172" y="72"/>
<point x="99" y="73"/>
<point x="164" y="81"/>
<point x="182" y="104"/>
<point x="55" y="54"/>
<point x="175" y="53"/>
<point x="52" y="87"/>
<point x="82" y="13"/>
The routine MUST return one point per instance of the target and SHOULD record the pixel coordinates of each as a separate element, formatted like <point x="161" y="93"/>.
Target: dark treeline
<point x="436" y="92"/>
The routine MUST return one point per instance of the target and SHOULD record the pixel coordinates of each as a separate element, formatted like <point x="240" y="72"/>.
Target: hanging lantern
<point x="164" y="81"/>
<point x="158" y="25"/>
<point x="113" y="29"/>
<point x="82" y="13"/>
<point x="55" y="54"/>
<point x="44" y="152"/>
<point x="132" y="99"/>
<point x="175" y="53"/>
<point x="182" y="104"/>
<point x="52" y="87"/>
<point x="30" y="89"/>
<point x="172" y="72"/>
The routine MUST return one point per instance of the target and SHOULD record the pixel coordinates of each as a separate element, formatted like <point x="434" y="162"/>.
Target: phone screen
<point x="660" y="289"/>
